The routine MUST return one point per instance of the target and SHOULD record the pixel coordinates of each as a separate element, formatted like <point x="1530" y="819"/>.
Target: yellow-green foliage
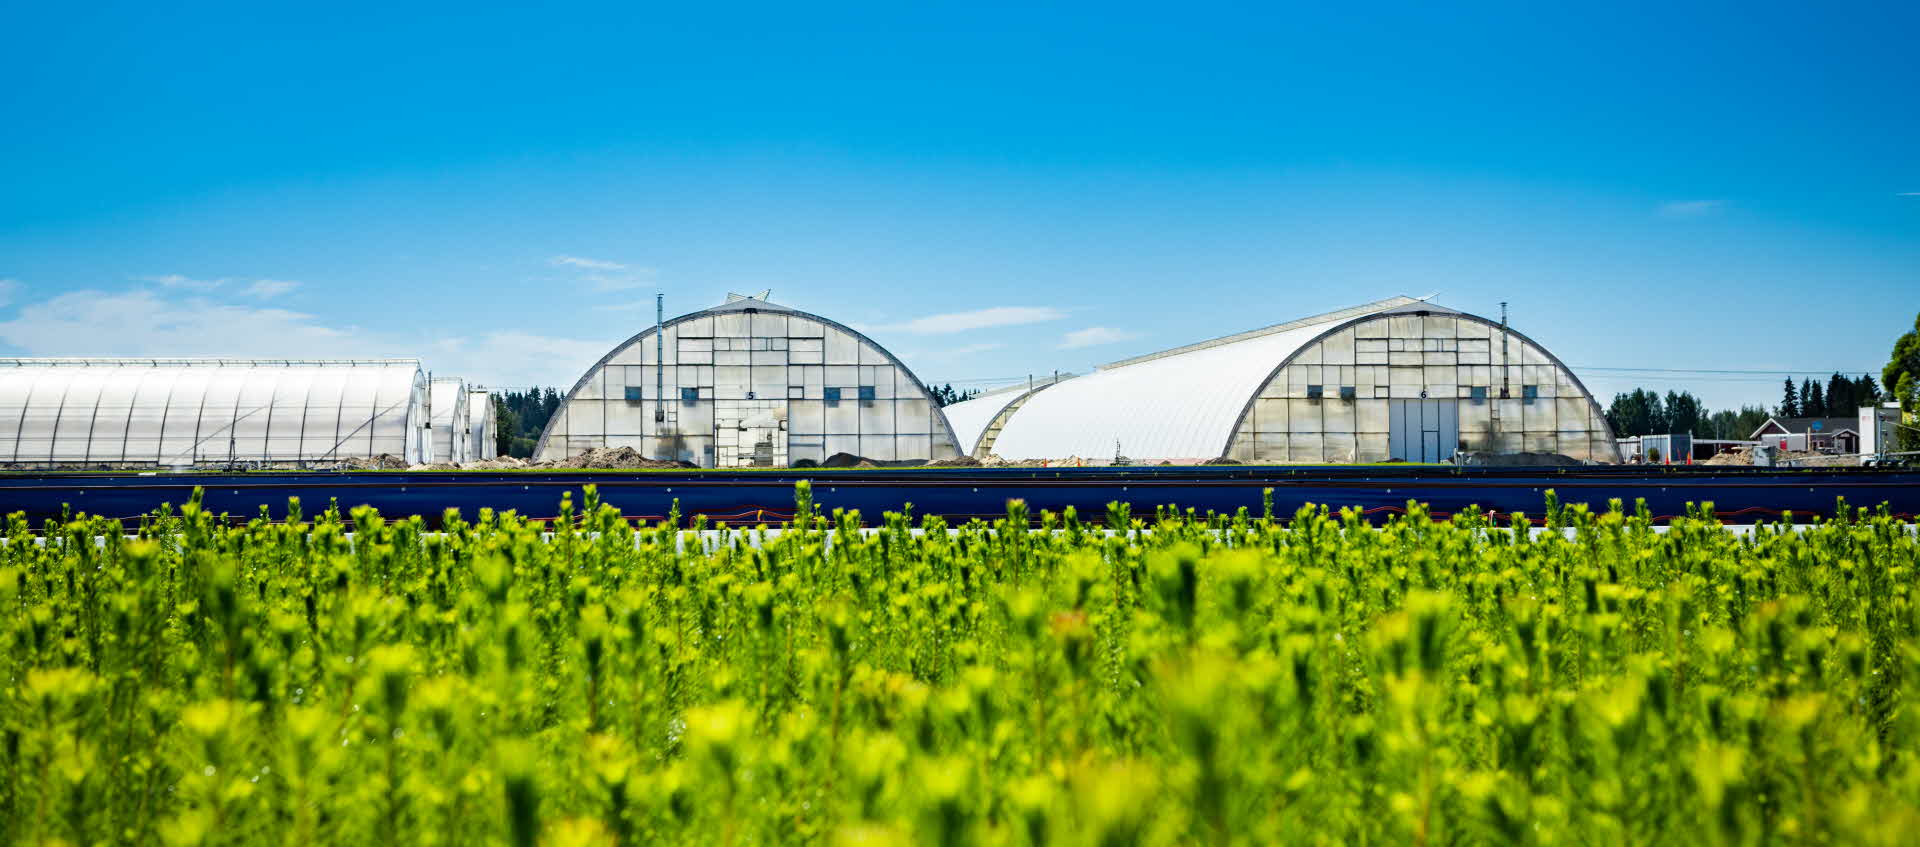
<point x="1185" y="680"/>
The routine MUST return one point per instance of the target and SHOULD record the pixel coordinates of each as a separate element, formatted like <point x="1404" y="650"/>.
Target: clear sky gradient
<point x="988" y="190"/>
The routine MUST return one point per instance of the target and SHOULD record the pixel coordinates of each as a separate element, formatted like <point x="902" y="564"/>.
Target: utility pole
<point x="659" y="361"/>
<point x="1505" y="375"/>
<point x="1493" y="413"/>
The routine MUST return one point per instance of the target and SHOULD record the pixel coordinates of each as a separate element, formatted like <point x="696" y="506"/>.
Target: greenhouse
<point x="1399" y="379"/>
<point x="447" y="410"/>
<point x="483" y="431"/>
<point x="750" y="383"/>
<point x="185" y="412"/>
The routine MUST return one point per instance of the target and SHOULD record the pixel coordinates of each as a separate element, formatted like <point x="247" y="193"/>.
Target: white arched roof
<point x="447" y="410"/>
<point x="1178" y="404"/>
<point x="481" y="429"/>
<point x="187" y="411"/>
<point x="971" y="417"/>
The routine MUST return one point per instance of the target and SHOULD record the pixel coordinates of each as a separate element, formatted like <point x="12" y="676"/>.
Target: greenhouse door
<point x="750" y="433"/>
<point x="1423" y="430"/>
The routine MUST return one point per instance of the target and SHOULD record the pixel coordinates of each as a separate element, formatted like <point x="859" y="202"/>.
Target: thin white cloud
<point x="1690" y="208"/>
<point x="1908" y="194"/>
<point x="518" y="359"/>
<point x="953" y="352"/>
<point x="988" y="318"/>
<point x="1095" y="335"/>
<point x="182" y="281"/>
<point x="267" y="289"/>
<point x="586" y="263"/>
<point x="606" y="275"/>
<point x="638" y="278"/>
<point x="143" y="322"/>
<point x="8" y="288"/>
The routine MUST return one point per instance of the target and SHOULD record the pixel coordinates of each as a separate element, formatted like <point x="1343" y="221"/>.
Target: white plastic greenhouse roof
<point x="969" y="418"/>
<point x="445" y="396"/>
<point x="1177" y="404"/>
<point x="186" y="411"/>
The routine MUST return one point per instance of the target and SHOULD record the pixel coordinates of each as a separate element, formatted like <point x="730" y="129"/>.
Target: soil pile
<point x="382" y="462"/>
<point x="848" y="460"/>
<point x="1744" y="456"/>
<point x="993" y="461"/>
<point x="503" y="463"/>
<point x="1736" y="456"/>
<point x="955" y="462"/>
<point x="1488" y="459"/>
<point x="610" y="459"/>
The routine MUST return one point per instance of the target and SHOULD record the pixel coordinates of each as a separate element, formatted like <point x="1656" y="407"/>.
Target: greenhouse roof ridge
<point x="1023" y="385"/>
<point x="1376" y="306"/>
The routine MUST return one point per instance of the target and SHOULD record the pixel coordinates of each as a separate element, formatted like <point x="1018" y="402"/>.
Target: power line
<point x="1762" y="371"/>
<point x="1755" y="375"/>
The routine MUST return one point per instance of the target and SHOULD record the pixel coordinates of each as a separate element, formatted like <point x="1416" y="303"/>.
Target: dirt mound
<point x="1744" y="456"/>
<point x="1488" y="459"/>
<point x="1736" y="456"/>
<point x="382" y="462"/>
<point x="503" y="463"/>
<point x="955" y="462"/>
<point x="1218" y="460"/>
<point x="842" y="460"/>
<point x="993" y="461"/>
<point x="612" y="458"/>
<point x="848" y="460"/>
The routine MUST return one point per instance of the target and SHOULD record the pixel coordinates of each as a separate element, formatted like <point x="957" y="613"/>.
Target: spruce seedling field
<point x="1155" y="679"/>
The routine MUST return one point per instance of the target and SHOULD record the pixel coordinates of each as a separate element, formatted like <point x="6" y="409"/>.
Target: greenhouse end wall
<point x="1391" y="363"/>
<point x="452" y="435"/>
<point x="482" y="426"/>
<point x="750" y="384"/>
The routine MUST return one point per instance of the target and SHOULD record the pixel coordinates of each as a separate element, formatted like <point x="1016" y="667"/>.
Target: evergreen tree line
<point x="519" y="417"/>
<point x="1841" y="397"/>
<point x="1645" y="412"/>
<point x="945" y="395"/>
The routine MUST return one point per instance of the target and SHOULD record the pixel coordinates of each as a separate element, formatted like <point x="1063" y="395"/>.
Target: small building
<point x="1666" y="449"/>
<point x="1879" y="427"/>
<point x="1810" y="435"/>
<point x="1673" y="448"/>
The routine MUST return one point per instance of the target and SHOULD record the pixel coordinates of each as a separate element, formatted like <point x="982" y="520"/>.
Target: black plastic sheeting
<point x="1738" y="494"/>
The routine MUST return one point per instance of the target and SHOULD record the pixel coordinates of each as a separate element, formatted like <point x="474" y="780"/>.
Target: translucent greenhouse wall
<point x="447" y="404"/>
<point x="750" y="384"/>
<point x="1394" y="364"/>
<point x="482" y="428"/>
<point x="209" y="411"/>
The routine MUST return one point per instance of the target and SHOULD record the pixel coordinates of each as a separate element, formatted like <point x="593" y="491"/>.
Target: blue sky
<point x="990" y="190"/>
